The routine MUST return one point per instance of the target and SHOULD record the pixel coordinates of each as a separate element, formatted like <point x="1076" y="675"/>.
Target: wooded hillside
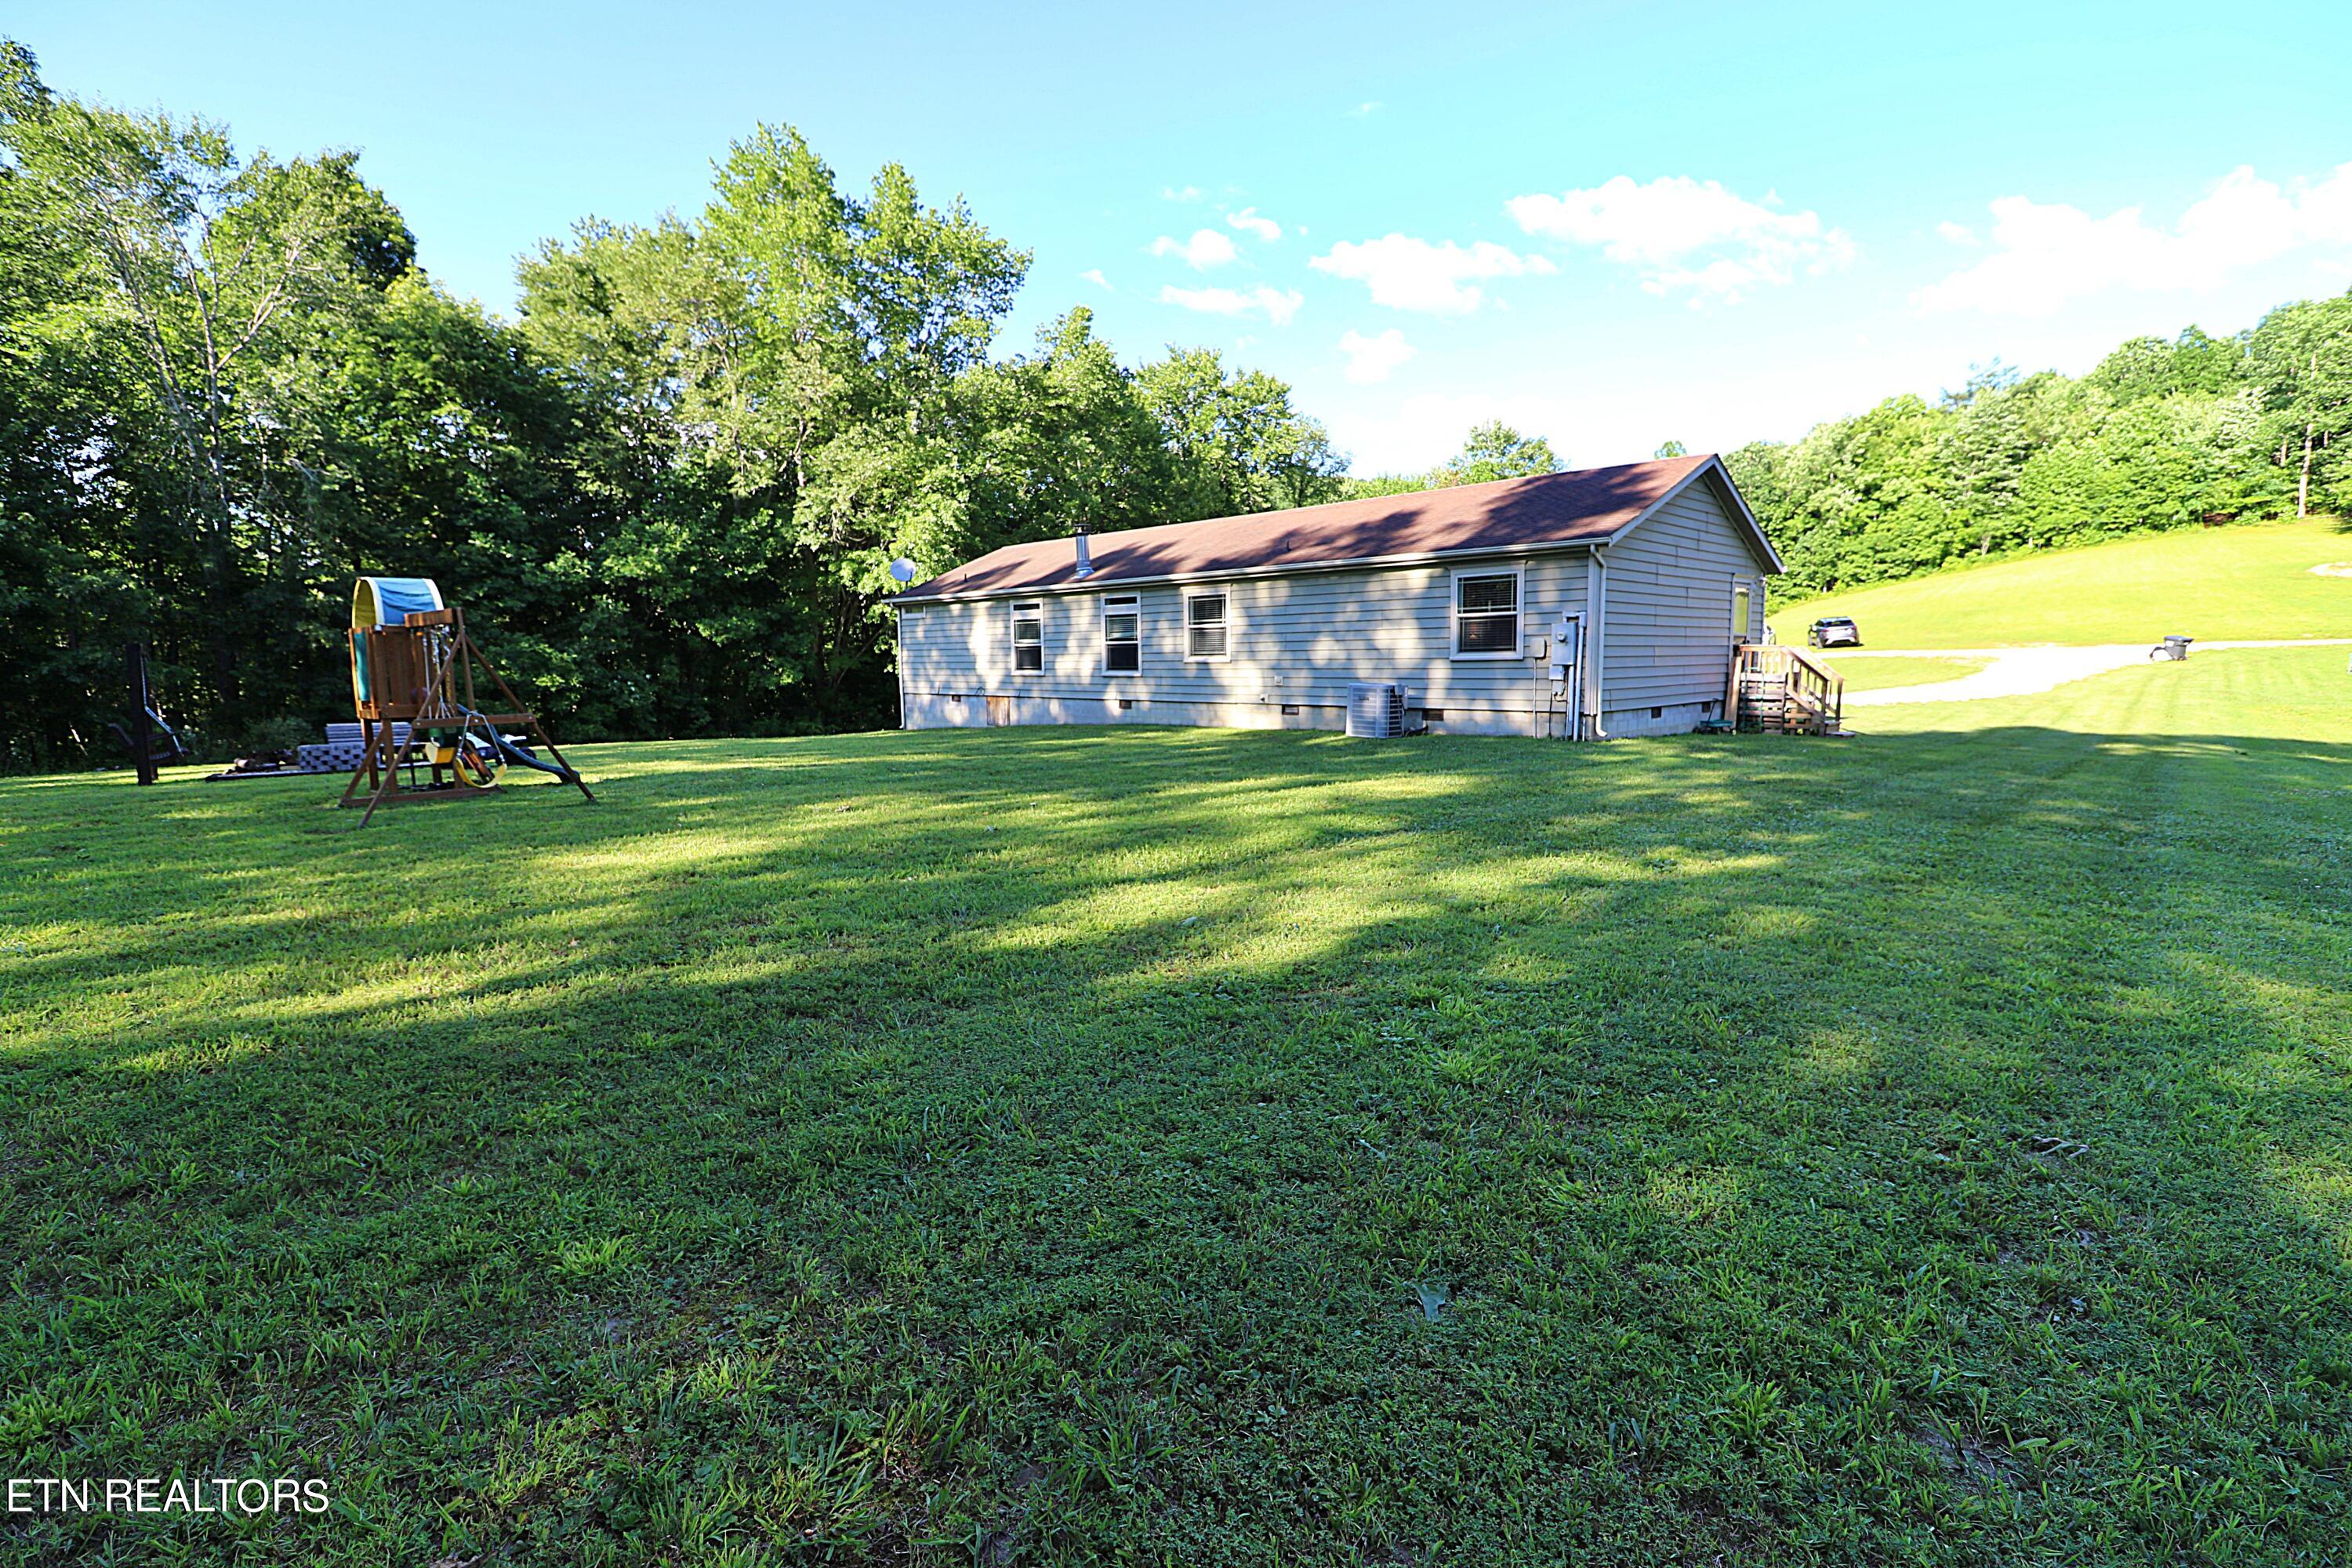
<point x="2161" y="433"/>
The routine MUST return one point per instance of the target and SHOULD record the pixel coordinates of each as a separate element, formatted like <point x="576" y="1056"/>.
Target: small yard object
<point x="1833" y="631"/>
<point x="149" y="740"/>
<point x="339" y="753"/>
<point x="1375" y="709"/>
<point x="2174" y="648"/>
<point x="278" y="764"/>
<point x="422" y="736"/>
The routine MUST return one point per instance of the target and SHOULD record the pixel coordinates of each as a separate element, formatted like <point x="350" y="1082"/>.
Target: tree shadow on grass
<point x="1913" y="1148"/>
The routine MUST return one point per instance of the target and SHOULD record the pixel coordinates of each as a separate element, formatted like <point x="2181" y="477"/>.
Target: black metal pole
<point x="143" y="752"/>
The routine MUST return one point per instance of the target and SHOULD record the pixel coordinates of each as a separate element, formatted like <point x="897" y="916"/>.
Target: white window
<point x="1122" y="635"/>
<point x="1487" y="615"/>
<point x="1028" y="638"/>
<point x="1205" y="630"/>
<point x="1742" y="599"/>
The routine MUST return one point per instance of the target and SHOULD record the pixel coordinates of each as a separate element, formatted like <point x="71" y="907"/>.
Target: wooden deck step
<point x="1782" y="692"/>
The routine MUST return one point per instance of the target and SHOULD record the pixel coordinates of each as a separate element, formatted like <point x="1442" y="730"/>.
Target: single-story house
<point x="1588" y="605"/>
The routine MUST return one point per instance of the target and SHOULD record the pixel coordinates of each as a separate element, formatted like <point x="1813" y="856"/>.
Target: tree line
<point x="667" y="492"/>
<point x="1493" y="450"/>
<point x="2162" y="433"/>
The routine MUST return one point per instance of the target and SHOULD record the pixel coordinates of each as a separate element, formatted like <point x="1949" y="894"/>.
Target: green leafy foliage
<point x="1238" y="444"/>
<point x="1496" y="451"/>
<point x="1493" y="450"/>
<point x="162" y="300"/>
<point x="666" y="496"/>
<point x="2160" y="435"/>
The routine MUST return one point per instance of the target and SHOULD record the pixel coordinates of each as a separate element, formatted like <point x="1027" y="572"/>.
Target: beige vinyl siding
<point x="1299" y="638"/>
<point x="1666" y="620"/>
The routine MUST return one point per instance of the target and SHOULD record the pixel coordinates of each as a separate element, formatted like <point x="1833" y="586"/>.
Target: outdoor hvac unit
<point x="1375" y="709"/>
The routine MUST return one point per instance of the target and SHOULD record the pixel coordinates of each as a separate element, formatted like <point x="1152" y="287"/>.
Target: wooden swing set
<point x="423" y="735"/>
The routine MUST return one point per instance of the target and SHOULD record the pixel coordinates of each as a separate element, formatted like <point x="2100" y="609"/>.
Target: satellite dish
<point x="903" y="570"/>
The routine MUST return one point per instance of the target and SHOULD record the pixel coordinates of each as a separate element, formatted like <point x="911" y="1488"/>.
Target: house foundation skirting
<point x="975" y="710"/>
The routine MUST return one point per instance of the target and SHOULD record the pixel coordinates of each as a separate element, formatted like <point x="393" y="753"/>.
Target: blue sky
<point x="1610" y="224"/>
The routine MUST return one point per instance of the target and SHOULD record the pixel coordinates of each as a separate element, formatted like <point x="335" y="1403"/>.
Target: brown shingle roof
<point x="1588" y="505"/>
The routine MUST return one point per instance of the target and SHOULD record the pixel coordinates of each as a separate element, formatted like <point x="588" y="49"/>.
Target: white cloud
<point x="1957" y="233"/>
<point x="1093" y="276"/>
<point x="1413" y="275"/>
<point x="1722" y="279"/>
<point x="1206" y="248"/>
<point x="1278" y="304"/>
<point x="1248" y="220"/>
<point x="1363" y="111"/>
<point x="1372" y="359"/>
<point x="1689" y="234"/>
<point x="1174" y="194"/>
<point x="2046" y="254"/>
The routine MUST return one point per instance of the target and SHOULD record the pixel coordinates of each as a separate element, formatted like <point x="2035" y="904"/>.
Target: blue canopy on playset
<point x="386" y="601"/>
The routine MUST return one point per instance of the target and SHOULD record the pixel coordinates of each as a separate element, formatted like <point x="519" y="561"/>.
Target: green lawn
<point x="1876" y="674"/>
<point x="2252" y="581"/>
<point x="1199" y="1147"/>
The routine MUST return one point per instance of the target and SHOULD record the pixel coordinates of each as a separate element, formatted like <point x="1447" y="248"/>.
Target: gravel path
<point x="2021" y="672"/>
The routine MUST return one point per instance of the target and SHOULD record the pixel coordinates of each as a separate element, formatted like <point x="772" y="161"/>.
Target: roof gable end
<point x="1717" y="477"/>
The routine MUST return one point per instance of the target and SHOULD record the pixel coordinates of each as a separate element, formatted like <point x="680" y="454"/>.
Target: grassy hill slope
<point x="2252" y="581"/>
<point x="1212" y="1147"/>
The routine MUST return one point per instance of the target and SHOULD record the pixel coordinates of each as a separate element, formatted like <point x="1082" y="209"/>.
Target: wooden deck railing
<point x="1812" y="694"/>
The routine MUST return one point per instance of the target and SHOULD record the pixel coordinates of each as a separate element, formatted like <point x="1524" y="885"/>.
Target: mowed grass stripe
<point x="1057" y="1145"/>
<point x="2243" y="582"/>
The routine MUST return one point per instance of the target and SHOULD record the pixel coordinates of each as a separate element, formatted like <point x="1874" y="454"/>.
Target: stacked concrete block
<point x="341" y="753"/>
